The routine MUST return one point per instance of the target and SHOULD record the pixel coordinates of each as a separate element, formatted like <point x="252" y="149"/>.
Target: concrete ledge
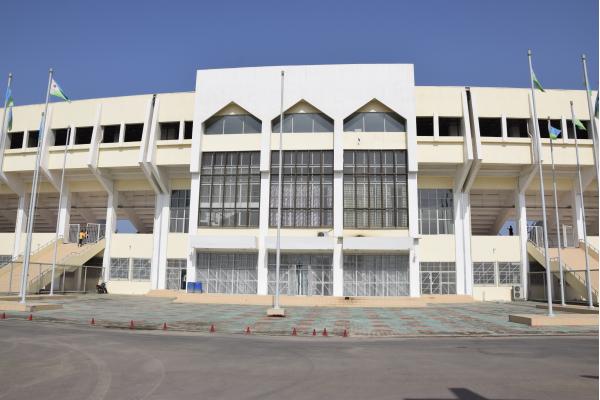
<point x="558" y="319"/>
<point x="39" y="297"/>
<point x="570" y="309"/>
<point x="276" y="312"/>
<point x="29" y="307"/>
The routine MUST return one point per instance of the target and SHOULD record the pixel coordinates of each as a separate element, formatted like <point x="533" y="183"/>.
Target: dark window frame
<point x="288" y="123"/>
<point x="386" y="114"/>
<point x="169" y="130"/>
<point x="179" y="215"/>
<point x="247" y="120"/>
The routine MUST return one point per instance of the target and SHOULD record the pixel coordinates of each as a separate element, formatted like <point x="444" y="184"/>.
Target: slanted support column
<point x="111" y="227"/>
<point x="64" y="214"/>
<point x="20" y="224"/>
<point x="521" y="207"/>
<point x="161" y="231"/>
<point x="577" y="215"/>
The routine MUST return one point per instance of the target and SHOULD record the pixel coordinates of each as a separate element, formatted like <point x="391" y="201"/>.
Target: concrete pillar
<point x="413" y="228"/>
<point x="181" y="133"/>
<point x="338" y="228"/>
<point x="522" y="232"/>
<point x="436" y="125"/>
<point x="468" y="261"/>
<point x="111" y="227"/>
<point x="459" y="258"/>
<point x="193" y="225"/>
<point x="20" y="224"/>
<point x="263" y="228"/>
<point x="577" y="218"/>
<point x="504" y="126"/>
<point x="122" y="133"/>
<point x="160" y="234"/>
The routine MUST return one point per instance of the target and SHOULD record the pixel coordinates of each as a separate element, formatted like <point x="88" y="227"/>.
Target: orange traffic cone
<point x="345" y="334"/>
<point x="248" y="330"/>
<point x="131" y="325"/>
<point x="212" y="328"/>
<point x="294" y="333"/>
<point x="325" y="332"/>
<point x="3" y="316"/>
<point x="314" y="332"/>
<point x="92" y="322"/>
<point x="164" y="326"/>
<point x="30" y="318"/>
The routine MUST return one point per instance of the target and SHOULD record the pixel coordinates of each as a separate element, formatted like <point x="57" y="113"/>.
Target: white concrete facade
<point x="463" y="160"/>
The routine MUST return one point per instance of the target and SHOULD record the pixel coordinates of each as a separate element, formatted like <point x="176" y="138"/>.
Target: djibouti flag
<point x="56" y="91"/>
<point x="553" y="132"/>
<point x="537" y="83"/>
<point x="579" y="124"/>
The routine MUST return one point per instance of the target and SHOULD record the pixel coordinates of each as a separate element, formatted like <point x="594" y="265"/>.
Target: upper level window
<point x="307" y="189"/>
<point x="517" y="127"/>
<point x="110" y="133"/>
<point x="436" y="211"/>
<point x="304" y="123"/>
<point x="375" y="189"/>
<point x="32" y="138"/>
<point x="543" y="124"/>
<point x="232" y="124"/>
<point x="490" y="127"/>
<point x="450" y="126"/>
<point x="424" y="126"/>
<point x="169" y="131"/>
<point x="180" y="211"/>
<point x="229" y="189"/>
<point x="187" y="129"/>
<point x="374" y="122"/>
<point x="83" y="134"/>
<point x="133" y="132"/>
<point x="60" y="136"/>
<point x="581" y="133"/>
<point x="16" y="140"/>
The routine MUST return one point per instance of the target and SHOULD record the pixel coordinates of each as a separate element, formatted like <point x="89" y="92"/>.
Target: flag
<point x="553" y="132"/>
<point x="9" y="105"/>
<point x="536" y="83"/>
<point x="579" y="124"/>
<point x="56" y="91"/>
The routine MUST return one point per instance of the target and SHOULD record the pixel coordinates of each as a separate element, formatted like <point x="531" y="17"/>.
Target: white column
<point x="181" y="134"/>
<point x="122" y="133"/>
<point x="504" y="126"/>
<point x="263" y="228"/>
<point x="521" y="207"/>
<point x="111" y="226"/>
<point x="413" y="227"/>
<point x="436" y="125"/>
<point x="459" y="255"/>
<point x="563" y="127"/>
<point x="468" y="262"/>
<point x="20" y="224"/>
<point x="64" y="213"/>
<point x="577" y="214"/>
<point x="160" y="234"/>
<point x="193" y="225"/>
<point x="338" y="228"/>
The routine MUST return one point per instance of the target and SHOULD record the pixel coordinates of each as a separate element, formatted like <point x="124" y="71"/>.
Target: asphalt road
<point x="52" y="361"/>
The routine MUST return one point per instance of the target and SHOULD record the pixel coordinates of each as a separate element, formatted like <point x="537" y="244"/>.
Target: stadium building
<point x="389" y="189"/>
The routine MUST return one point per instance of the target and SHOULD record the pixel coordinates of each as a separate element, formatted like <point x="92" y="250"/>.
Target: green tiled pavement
<point x="150" y="313"/>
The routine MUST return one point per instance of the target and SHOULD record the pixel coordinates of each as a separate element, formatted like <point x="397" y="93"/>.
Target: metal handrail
<point x="591" y="246"/>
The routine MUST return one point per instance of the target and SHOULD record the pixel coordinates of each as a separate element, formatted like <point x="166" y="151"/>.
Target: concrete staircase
<point x="573" y="259"/>
<point x="69" y="257"/>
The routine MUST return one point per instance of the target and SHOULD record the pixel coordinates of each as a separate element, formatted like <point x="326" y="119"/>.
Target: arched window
<point x="232" y="120"/>
<point x="375" y="117"/>
<point x="303" y="118"/>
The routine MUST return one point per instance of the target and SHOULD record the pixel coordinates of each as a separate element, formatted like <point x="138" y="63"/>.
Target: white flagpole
<point x="33" y="197"/>
<point x="278" y="246"/>
<point x="588" y="279"/>
<point x="592" y="117"/>
<point x="539" y="160"/>
<point x="560" y="267"/>
<point x="3" y="128"/>
<point x="60" y="196"/>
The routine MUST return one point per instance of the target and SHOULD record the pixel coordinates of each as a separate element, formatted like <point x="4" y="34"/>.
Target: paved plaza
<point x="469" y="319"/>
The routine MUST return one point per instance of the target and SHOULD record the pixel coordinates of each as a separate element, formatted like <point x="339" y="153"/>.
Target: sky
<point x="113" y="48"/>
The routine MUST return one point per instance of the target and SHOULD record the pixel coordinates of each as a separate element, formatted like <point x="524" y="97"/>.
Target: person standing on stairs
<point x="81" y="237"/>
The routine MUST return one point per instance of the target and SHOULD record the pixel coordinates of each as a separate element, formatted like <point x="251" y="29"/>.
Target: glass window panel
<point x="374" y="122"/>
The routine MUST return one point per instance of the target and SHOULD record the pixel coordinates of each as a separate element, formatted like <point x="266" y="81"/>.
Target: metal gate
<point x="438" y="278"/>
<point x="95" y="233"/>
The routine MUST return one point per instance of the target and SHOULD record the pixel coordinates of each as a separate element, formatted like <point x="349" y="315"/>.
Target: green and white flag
<point x="579" y="124"/>
<point x="9" y="106"/>
<point x="56" y="91"/>
<point x="537" y="83"/>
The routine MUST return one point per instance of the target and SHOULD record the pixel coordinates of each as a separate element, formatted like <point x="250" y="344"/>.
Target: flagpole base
<point x="276" y="312"/>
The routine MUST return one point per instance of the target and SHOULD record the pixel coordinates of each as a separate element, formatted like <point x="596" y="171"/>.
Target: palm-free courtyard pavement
<point x="488" y="319"/>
